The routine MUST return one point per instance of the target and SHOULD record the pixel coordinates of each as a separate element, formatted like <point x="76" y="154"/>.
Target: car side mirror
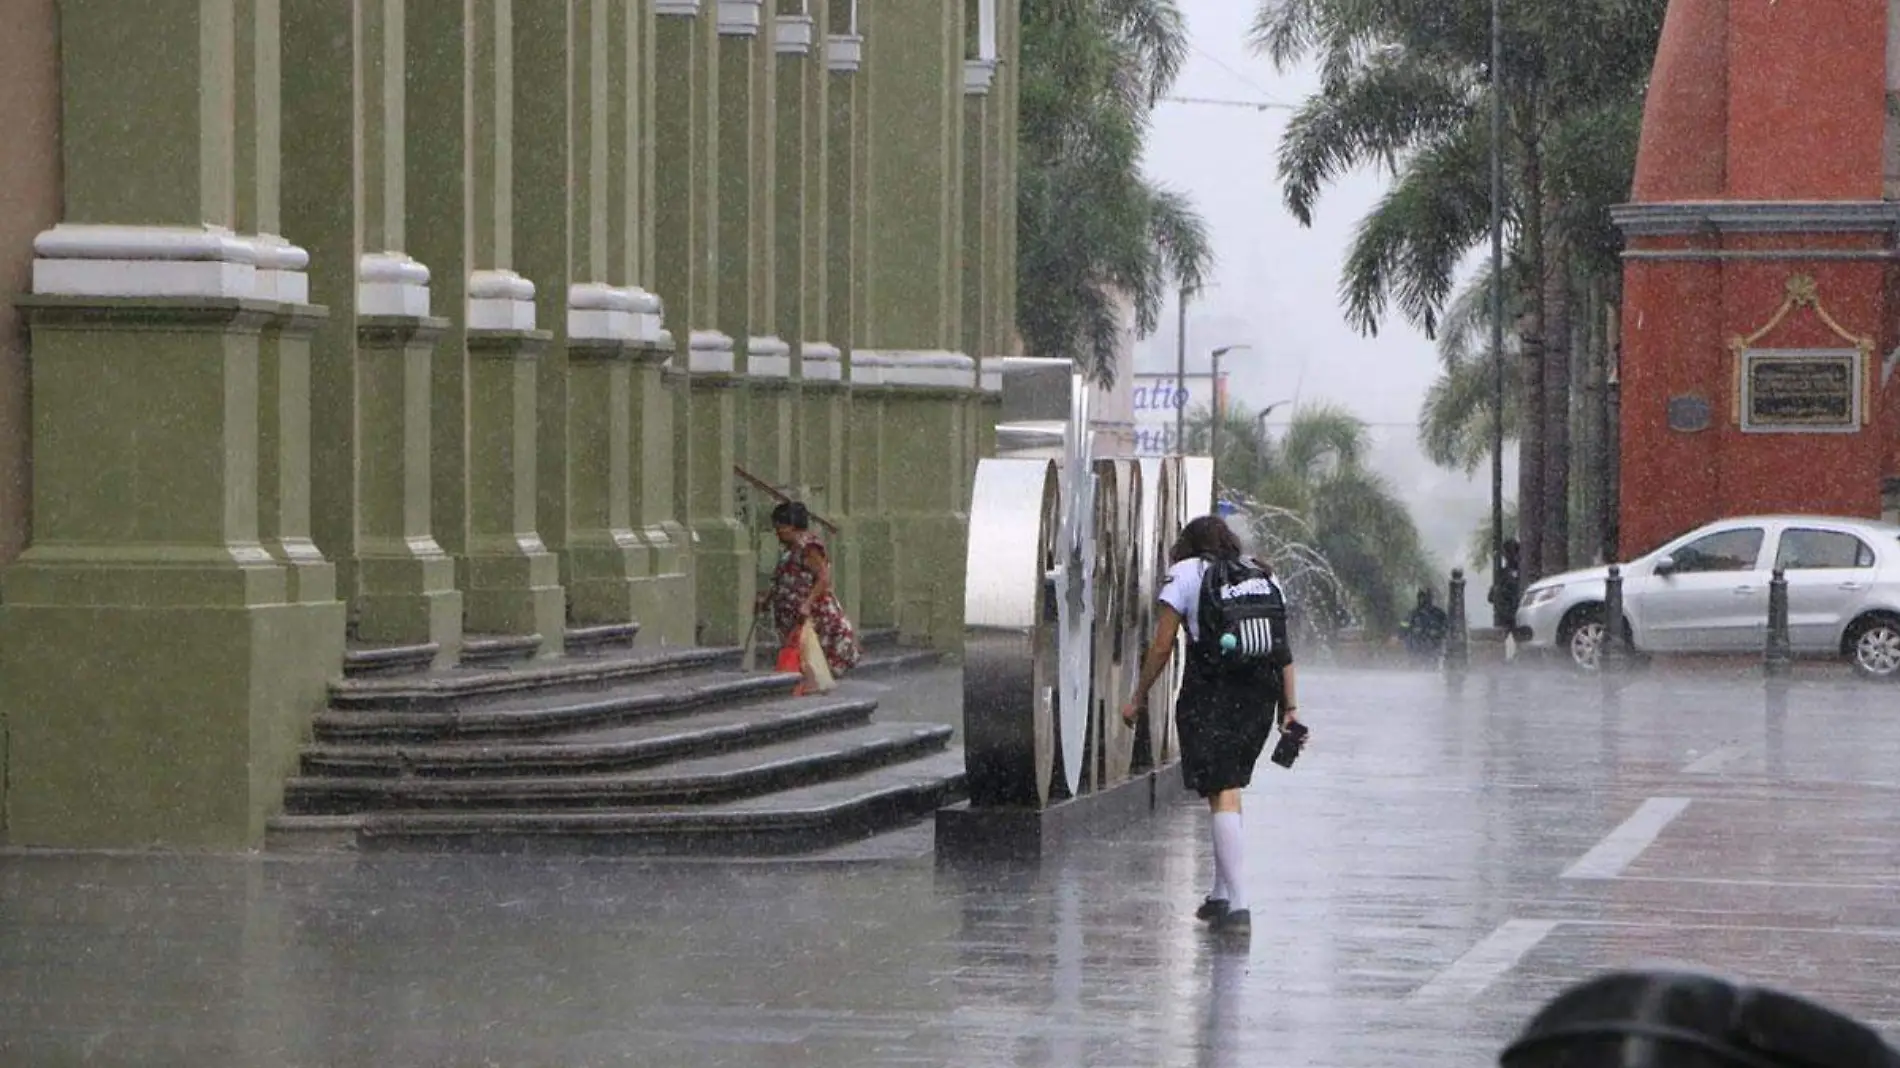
<point x="1665" y="565"/>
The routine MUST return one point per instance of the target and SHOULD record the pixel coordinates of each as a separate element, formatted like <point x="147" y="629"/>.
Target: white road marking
<point x="1623" y="845"/>
<point x="1711" y="762"/>
<point x="1485" y="962"/>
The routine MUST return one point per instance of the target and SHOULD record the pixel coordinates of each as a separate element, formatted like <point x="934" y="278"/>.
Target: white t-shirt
<point x="1181" y="591"/>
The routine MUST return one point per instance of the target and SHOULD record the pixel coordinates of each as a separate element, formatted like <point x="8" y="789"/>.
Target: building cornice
<point x="1757" y="217"/>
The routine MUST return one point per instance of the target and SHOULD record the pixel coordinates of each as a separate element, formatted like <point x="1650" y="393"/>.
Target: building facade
<point x="1758" y="328"/>
<point x="436" y="324"/>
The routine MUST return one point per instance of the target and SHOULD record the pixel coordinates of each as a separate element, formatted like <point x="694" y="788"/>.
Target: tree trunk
<point x="1586" y="541"/>
<point x="1557" y="341"/>
<point x="1532" y="421"/>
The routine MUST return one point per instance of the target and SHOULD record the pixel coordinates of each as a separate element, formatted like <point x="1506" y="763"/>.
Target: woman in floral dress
<point x="801" y="589"/>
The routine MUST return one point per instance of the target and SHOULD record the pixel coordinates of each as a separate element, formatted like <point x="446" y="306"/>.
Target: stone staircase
<point x="614" y="750"/>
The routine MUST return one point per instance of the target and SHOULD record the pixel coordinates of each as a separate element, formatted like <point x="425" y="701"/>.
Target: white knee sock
<point x="1230" y="858"/>
<point x="1220" y="882"/>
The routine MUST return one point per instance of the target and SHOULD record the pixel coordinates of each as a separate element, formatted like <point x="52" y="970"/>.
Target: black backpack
<point x="1239" y="600"/>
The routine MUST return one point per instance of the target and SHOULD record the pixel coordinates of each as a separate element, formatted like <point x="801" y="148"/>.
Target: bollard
<point x="1610" y="653"/>
<point x="1778" y="656"/>
<point x="1457" y="638"/>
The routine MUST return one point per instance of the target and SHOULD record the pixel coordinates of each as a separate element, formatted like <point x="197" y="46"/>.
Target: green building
<point x="462" y="325"/>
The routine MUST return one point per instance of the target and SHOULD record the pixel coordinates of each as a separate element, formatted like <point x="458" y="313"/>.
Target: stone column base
<point x="403" y="590"/>
<point x="186" y="726"/>
<point x="511" y="583"/>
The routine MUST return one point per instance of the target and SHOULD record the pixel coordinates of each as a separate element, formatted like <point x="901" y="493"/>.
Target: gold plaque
<point x="1801" y="390"/>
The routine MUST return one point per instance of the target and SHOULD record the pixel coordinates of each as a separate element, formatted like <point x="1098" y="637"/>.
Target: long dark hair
<point x="1208" y="536"/>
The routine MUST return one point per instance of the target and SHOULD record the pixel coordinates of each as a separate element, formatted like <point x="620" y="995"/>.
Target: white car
<point x="1707" y="592"/>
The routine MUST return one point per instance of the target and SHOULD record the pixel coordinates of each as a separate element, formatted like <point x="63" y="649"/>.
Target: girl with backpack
<point x="1239" y="672"/>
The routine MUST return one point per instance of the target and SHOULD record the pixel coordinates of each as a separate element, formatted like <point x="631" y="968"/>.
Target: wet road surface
<point x="1435" y="867"/>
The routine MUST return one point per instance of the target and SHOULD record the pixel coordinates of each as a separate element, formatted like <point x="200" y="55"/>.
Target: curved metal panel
<point x="1075" y="591"/>
<point x="1009" y="641"/>
<point x="1118" y="640"/>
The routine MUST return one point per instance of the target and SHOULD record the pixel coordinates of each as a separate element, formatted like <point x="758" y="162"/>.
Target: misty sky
<point x="1275" y="286"/>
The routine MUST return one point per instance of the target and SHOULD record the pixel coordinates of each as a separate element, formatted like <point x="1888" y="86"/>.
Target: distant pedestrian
<point x="1426" y="629"/>
<point x="1239" y="673"/>
<point x="801" y="592"/>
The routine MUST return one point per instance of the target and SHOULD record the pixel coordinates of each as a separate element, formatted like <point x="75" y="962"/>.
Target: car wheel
<point x="1874" y="646"/>
<point x="1582" y="638"/>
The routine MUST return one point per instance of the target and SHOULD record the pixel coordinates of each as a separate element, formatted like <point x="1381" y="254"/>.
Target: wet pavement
<point x="1434" y="868"/>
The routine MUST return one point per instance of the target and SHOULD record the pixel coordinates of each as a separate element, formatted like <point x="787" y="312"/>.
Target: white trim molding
<point x="989" y="379"/>
<point x="951" y="370"/>
<point x="280" y="270"/>
<point x="820" y="362"/>
<point x="867" y="367"/>
<point x="500" y="300"/>
<point x="685" y="9"/>
<point x="390" y="283"/>
<point x="794" y="33"/>
<point x="709" y="352"/>
<point x="844" y="53"/>
<point x="600" y="312"/>
<point x="767" y="357"/>
<point x="978" y="76"/>
<point x="986" y="30"/>
<point x="741" y="18"/>
<point x="91" y="260"/>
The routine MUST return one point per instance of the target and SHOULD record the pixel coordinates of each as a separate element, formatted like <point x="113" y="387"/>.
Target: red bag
<point x="788" y="657"/>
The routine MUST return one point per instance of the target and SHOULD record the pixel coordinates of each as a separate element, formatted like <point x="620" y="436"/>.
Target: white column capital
<point x="767" y="357"/>
<point x="819" y="362"/>
<point x="978" y="76"/>
<point x="390" y="283"/>
<point x="793" y="34"/>
<point x="952" y="370"/>
<point x="96" y="260"/>
<point x="741" y="18"/>
<point x="709" y="352"/>
<point x="867" y="367"/>
<point x="844" y="53"/>
<point x="676" y="8"/>
<point x="600" y="312"/>
<point x="499" y="300"/>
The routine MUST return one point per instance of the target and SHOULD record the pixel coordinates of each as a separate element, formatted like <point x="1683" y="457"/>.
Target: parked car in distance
<point x="1707" y="592"/>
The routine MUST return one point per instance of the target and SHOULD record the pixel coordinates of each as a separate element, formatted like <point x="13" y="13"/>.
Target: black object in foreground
<point x="1292" y="739"/>
<point x="1661" y="1018"/>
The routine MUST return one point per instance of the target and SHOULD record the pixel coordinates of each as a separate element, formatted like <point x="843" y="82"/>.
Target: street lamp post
<point x="1214" y="413"/>
<point x="1180" y="379"/>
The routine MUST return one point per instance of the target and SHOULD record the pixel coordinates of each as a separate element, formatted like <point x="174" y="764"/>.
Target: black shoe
<point x="1235" y="921"/>
<point x="1211" y="910"/>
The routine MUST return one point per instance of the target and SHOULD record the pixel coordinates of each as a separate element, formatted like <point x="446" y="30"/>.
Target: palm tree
<point x="1406" y="86"/>
<point x="1094" y="233"/>
<point x="1455" y="423"/>
<point x="1310" y="494"/>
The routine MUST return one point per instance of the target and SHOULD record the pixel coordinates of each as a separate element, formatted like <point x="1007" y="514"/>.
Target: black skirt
<point x="1224" y="724"/>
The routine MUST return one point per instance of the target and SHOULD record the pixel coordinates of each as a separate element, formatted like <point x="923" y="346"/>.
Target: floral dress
<point x="792" y="582"/>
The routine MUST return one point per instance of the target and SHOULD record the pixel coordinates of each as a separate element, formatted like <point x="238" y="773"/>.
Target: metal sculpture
<point x="1064" y="565"/>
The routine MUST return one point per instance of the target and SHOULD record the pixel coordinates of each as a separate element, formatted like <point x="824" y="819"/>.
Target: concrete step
<point x="377" y="661"/>
<point x="705" y="780"/>
<point x="443" y="691"/>
<point x="524" y="716"/>
<point x="600" y="639"/>
<point x="613" y="749"/>
<point x="801" y="820"/>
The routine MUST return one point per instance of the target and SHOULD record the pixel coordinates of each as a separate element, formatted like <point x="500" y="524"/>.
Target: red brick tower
<point x="1759" y="274"/>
